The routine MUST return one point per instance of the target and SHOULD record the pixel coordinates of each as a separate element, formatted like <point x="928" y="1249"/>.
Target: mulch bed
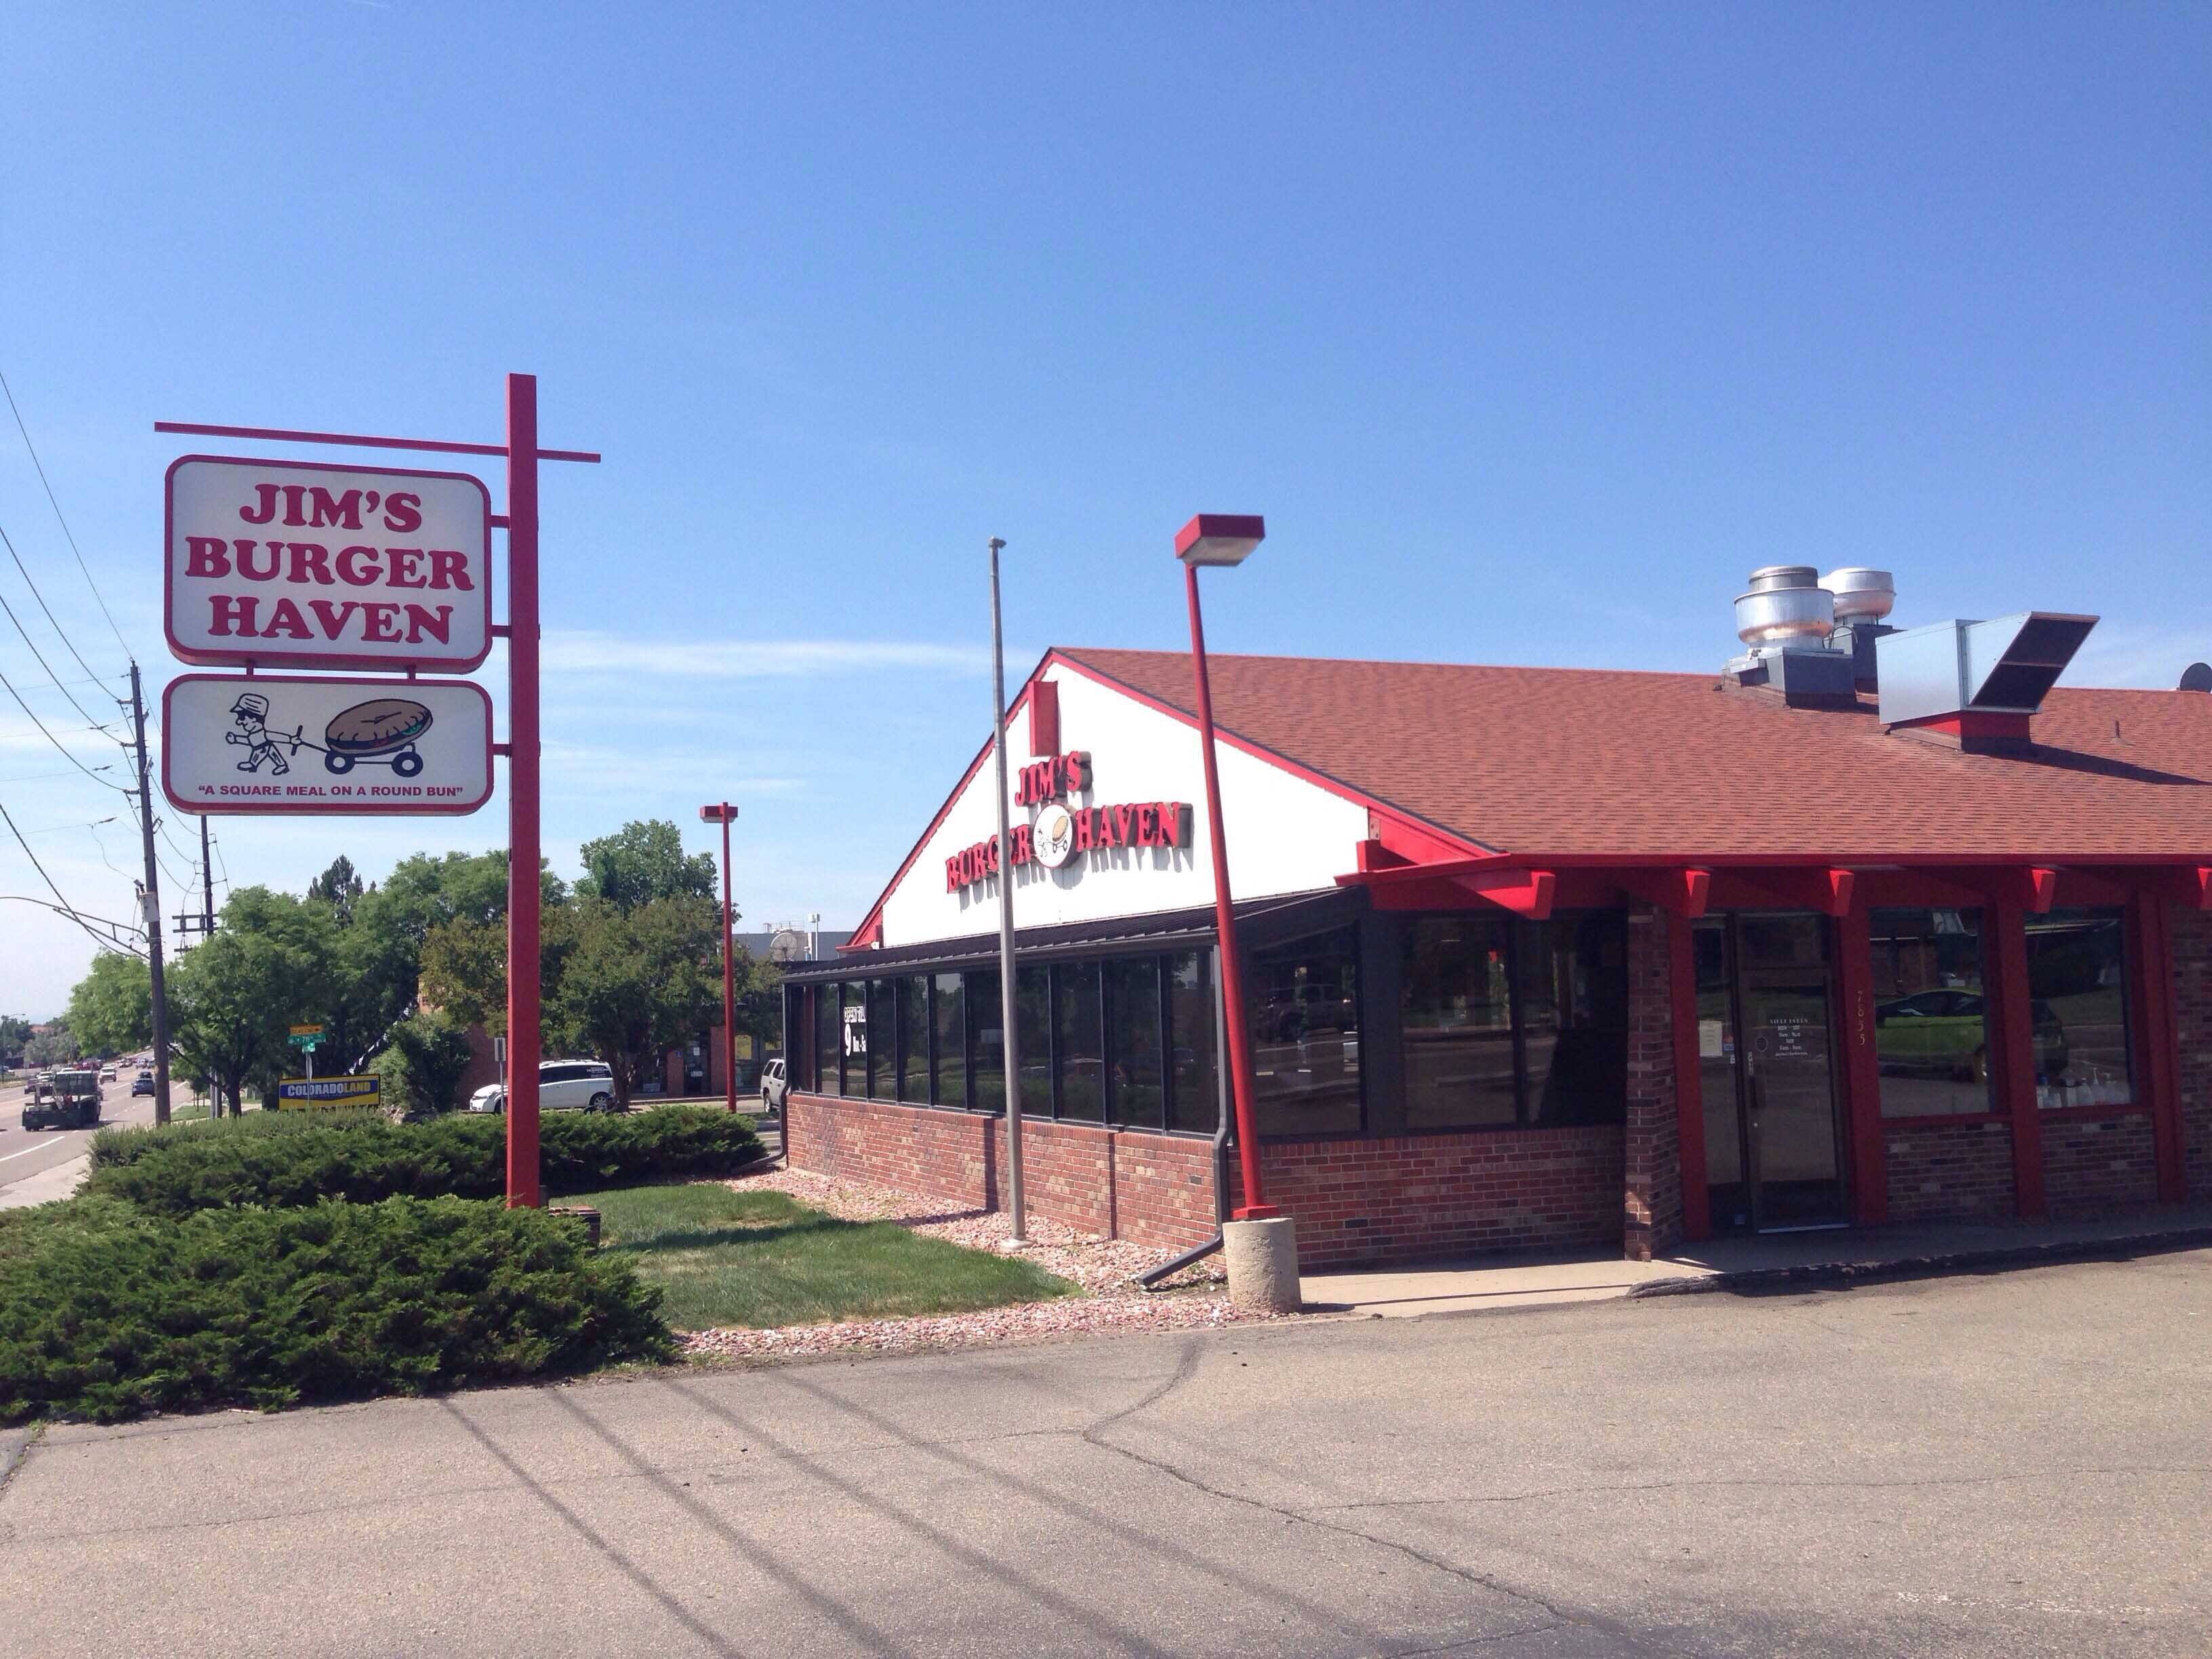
<point x="1104" y="1268"/>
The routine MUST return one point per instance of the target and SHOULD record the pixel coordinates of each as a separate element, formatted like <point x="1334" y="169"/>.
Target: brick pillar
<point x="1651" y="1199"/>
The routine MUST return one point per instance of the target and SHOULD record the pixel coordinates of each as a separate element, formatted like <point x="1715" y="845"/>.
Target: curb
<point x="1833" y="1275"/>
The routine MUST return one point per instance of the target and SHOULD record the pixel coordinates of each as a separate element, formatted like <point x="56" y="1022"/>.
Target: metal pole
<point x="522" y="890"/>
<point x="1255" y="1207"/>
<point x="729" y="979"/>
<point x="1009" y="1048"/>
<point x="153" y="910"/>
<point x="207" y="883"/>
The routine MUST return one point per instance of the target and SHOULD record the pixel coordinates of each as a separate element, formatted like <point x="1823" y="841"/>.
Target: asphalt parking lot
<point x="2014" y="1464"/>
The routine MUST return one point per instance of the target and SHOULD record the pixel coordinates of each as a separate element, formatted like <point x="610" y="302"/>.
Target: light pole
<point x="1225" y="539"/>
<point x="1009" y="1049"/>
<point x="726" y="815"/>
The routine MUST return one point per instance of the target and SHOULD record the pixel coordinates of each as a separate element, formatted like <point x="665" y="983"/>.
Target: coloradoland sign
<point x="295" y="564"/>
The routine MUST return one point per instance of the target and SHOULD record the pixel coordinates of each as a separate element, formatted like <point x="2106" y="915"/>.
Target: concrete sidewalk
<point x="47" y="1185"/>
<point x="1750" y="1263"/>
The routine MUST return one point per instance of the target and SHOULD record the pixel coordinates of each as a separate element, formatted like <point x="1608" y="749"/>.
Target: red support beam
<point x="2012" y="1050"/>
<point x="1828" y="891"/>
<point x="2156" y="1057"/>
<point x="1689" y="1079"/>
<point x="2189" y="885"/>
<point x="1682" y="893"/>
<point x="1524" y="892"/>
<point x="1862" y="1067"/>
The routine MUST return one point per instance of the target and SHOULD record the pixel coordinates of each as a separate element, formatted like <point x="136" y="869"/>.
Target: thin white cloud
<point x="584" y="652"/>
<point x="2146" y="657"/>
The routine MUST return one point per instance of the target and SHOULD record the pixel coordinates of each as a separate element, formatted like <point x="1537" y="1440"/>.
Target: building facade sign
<point x="323" y="743"/>
<point x="296" y="564"/>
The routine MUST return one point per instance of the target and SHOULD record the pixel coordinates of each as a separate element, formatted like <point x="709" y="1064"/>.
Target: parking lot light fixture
<point x="1225" y="539"/>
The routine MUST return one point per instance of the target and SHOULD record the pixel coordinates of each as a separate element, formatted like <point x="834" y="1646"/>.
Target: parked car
<point x="563" y="1085"/>
<point x="1942" y="1033"/>
<point x="775" y="1085"/>
<point x="142" y="1084"/>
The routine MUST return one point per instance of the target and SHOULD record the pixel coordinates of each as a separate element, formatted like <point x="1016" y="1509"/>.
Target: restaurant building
<point x="1871" y="924"/>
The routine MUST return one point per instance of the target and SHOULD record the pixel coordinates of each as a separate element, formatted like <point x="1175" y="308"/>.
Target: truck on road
<point x="62" y="1100"/>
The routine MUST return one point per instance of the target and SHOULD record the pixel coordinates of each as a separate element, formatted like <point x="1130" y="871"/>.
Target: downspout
<point x="1151" y="1280"/>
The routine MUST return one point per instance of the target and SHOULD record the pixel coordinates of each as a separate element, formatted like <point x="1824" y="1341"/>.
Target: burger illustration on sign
<point x="1053" y="838"/>
<point x="380" y="732"/>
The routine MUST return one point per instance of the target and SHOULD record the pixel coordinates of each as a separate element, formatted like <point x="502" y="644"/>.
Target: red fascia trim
<point x="1972" y="724"/>
<point x="871" y="929"/>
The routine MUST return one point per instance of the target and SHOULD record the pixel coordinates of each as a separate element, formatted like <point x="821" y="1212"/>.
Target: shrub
<point x="108" y="1311"/>
<point x="288" y="1159"/>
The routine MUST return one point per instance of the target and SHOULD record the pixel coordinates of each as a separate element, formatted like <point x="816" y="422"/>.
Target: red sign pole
<point x="522" y="882"/>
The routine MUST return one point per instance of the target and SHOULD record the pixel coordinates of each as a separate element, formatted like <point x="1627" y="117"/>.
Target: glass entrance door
<point x="1773" y="1159"/>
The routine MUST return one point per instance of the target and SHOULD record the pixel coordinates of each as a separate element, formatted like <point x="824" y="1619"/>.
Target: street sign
<point x="330" y="1094"/>
<point x="292" y="564"/>
<point x="310" y="1043"/>
<point x="324" y="743"/>
<point x="307" y="1031"/>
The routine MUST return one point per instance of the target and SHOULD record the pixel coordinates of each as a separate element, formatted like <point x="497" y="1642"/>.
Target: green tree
<point x="55" y="1046"/>
<point x="111" y="1009"/>
<point x="636" y="983"/>
<point x="339" y="886"/>
<point x="271" y="964"/>
<point x="14" y="1034"/>
<point x="642" y="861"/>
<point x="428" y="1056"/>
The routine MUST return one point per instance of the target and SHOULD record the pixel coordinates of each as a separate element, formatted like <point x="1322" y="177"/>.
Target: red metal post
<point x="522" y="881"/>
<point x="1689" y="1077"/>
<point x="1255" y="1207"/>
<point x="1862" y="1069"/>
<point x="729" y="979"/>
<point x="2012" y="1050"/>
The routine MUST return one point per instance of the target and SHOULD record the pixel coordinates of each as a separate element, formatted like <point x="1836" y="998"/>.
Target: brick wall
<point x="1153" y="1188"/>
<point x="2190" y="932"/>
<point x="1949" y="1172"/>
<point x="1651" y="1190"/>
<point x="2097" y="1165"/>
<point x="1413" y="1198"/>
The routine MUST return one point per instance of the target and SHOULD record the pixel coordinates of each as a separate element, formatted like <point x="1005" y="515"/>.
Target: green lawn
<point x="761" y="1259"/>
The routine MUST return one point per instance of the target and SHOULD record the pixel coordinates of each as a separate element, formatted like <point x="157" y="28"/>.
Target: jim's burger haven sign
<point x="1061" y="831"/>
<point x="296" y="564"/>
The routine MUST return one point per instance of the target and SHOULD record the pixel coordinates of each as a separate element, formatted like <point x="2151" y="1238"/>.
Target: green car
<point x="1944" y="1033"/>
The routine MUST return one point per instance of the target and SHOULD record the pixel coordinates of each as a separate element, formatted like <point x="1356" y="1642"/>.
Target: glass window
<point x="1194" y="1087"/>
<point x="1572" y="974"/>
<point x="912" y="995"/>
<point x="883" y="1022"/>
<point x="1138" y="1090"/>
<point x="986" y="1047"/>
<point x="2077" y="991"/>
<point x="855" y="1004"/>
<point x="1302" y="1008"/>
<point x="827" y="1038"/>
<point x="951" y="1088"/>
<point x="1457" y="1020"/>
<point x="1931" y="1038"/>
<point x="1033" y="1037"/>
<point x="1079" y="1049"/>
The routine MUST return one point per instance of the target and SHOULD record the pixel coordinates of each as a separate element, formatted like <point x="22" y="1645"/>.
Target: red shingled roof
<point x="1595" y="760"/>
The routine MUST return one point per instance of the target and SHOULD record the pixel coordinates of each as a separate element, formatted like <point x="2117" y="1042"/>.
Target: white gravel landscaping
<point x="1104" y="1268"/>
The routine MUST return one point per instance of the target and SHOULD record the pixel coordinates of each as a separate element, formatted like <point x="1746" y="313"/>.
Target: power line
<point x="51" y="739"/>
<point x="66" y="532"/>
<point x="40" y="654"/>
<point x="67" y="909"/>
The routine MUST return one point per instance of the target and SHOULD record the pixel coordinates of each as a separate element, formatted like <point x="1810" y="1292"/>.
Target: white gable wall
<point x="1286" y="835"/>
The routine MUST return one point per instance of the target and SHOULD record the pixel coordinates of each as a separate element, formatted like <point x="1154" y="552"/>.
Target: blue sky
<point x="1531" y="330"/>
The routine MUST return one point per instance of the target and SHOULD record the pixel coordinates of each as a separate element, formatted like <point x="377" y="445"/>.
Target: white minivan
<point x="563" y="1085"/>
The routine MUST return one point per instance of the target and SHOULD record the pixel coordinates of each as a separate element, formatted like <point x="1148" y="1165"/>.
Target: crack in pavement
<point x="1749" y="1480"/>
<point x="19" y="1456"/>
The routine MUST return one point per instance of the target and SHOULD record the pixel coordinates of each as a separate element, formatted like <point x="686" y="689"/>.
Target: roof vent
<point x="1984" y="678"/>
<point x="1786" y="606"/>
<point x="1785" y="620"/>
<point x="1863" y="598"/>
<point x="2198" y="677"/>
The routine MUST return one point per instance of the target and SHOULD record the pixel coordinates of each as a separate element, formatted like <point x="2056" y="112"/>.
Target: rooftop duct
<point x="1786" y="620"/>
<point x="1986" y="677"/>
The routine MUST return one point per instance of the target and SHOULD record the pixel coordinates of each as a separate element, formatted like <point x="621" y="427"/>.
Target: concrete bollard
<point x="1262" y="1257"/>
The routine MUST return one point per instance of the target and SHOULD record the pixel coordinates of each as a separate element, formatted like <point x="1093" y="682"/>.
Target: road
<point x="27" y="1152"/>
<point x="2010" y="1465"/>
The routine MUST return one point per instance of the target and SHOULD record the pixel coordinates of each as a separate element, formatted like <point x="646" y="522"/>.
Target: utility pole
<point x="153" y="908"/>
<point x="1009" y="1048"/>
<point x="207" y="883"/>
